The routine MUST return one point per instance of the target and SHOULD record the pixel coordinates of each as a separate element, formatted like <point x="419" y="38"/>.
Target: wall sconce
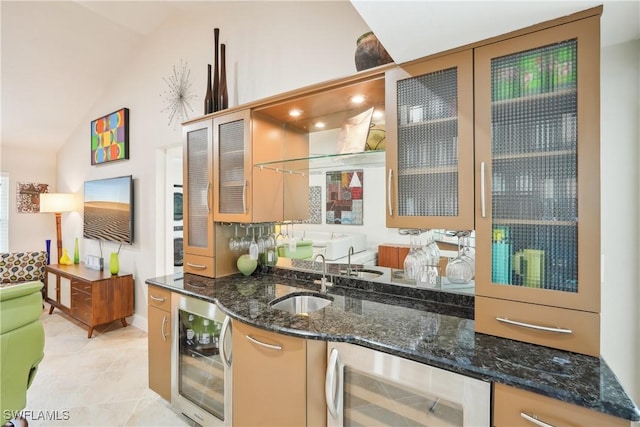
<point x="58" y="203"/>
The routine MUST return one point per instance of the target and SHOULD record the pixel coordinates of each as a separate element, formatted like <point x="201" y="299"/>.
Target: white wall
<point x="28" y="231"/>
<point x="272" y="47"/>
<point x="620" y="185"/>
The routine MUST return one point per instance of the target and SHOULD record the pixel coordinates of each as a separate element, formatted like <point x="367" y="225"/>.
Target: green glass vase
<point x="114" y="263"/>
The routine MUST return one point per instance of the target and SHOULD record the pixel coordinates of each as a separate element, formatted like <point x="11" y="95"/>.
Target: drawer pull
<point x="199" y="266"/>
<point x="155" y="298"/>
<point x="535" y="420"/>
<point x="264" y="344"/>
<point x="483" y="204"/>
<point x="538" y="327"/>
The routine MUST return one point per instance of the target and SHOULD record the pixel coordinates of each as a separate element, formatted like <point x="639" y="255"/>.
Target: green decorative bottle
<point x="76" y="253"/>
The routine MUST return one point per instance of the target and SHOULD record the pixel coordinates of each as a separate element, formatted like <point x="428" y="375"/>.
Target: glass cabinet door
<point x="198" y="216"/>
<point x="537" y="165"/>
<point x="232" y="167"/>
<point x="430" y="166"/>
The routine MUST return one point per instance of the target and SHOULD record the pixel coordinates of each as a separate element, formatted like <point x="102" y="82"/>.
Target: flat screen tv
<point x="108" y="209"/>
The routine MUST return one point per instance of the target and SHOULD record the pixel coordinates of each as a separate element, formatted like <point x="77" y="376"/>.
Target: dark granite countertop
<point x="367" y="314"/>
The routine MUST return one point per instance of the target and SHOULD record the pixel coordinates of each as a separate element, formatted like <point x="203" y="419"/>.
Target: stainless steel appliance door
<point x="367" y="387"/>
<point x="201" y="362"/>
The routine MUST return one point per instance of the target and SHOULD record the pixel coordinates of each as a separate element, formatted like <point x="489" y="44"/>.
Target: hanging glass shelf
<point x="322" y="162"/>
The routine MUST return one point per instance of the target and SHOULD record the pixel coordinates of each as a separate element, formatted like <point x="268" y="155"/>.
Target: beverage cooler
<point x="366" y="387"/>
<point x="201" y="362"/>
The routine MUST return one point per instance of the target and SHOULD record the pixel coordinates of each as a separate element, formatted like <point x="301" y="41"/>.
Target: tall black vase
<point x="216" y="83"/>
<point x="208" y="99"/>
<point x="224" y="96"/>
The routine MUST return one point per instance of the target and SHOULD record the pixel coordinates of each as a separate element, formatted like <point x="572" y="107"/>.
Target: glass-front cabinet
<point x="242" y="138"/>
<point x="430" y="165"/>
<point x="537" y="187"/>
<point x="198" y="191"/>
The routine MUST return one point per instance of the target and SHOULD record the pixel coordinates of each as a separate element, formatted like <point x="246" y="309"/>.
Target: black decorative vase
<point x="224" y="96"/>
<point x="216" y="83"/>
<point x="370" y="52"/>
<point x="208" y="99"/>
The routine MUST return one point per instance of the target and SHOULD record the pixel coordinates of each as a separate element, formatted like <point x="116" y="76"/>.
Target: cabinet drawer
<point x="511" y="406"/>
<point x="78" y="285"/>
<point x="200" y="265"/>
<point x="81" y="308"/>
<point x="160" y="298"/>
<point x="584" y="327"/>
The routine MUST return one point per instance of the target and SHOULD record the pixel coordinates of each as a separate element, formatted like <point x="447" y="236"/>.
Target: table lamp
<point x="57" y="203"/>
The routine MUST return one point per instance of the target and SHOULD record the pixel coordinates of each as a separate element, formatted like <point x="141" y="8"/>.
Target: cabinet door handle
<point x="164" y="322"/>
<point x="155" y="298"/>
<point x="533" y="419"/>
<point x="531" y="326"/>
<point x="226" y="326"/>
<point x="389" y="203"/>
<point x="200" y="266"/>
<point x="244" y="196"/>
<point x="264" y="344"/>
<point x="483" y="204"/>
<point x="208" y="197"/>
<point x="332" y="387"/>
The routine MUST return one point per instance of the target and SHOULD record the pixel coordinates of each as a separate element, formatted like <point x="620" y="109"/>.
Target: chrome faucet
<point x="323" y="282"/>
<point x="351" y="251"/>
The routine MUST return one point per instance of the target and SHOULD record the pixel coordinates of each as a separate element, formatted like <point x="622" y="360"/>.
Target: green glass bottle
<point x="76" y="253"/>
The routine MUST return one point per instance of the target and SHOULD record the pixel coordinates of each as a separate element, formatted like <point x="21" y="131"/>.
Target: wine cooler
<point x="201" y="362"/>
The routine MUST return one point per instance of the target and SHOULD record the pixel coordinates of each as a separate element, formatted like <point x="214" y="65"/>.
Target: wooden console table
<point x="89" y="296"/>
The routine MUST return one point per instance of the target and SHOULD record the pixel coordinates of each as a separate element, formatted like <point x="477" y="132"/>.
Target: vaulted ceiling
<point x="52" y="52"/>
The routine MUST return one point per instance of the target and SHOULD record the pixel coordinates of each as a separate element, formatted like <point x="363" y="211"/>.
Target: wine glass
<point x="234" y="242"/>
<point x="411" y="262"/>
<point x="459" y="271"/>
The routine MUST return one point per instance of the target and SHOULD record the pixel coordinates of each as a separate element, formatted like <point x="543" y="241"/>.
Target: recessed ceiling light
<point x="378" y="114"/>
<point x="358" y="99"/>
<point x="320" y="125"/>
<point x="295" y="113"/>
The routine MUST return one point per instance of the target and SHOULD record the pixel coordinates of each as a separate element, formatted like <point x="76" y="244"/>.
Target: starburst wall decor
<point x="178" y="96"/>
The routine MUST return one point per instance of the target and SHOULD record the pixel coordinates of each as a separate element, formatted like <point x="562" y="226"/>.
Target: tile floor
<point x="100" y="381"/>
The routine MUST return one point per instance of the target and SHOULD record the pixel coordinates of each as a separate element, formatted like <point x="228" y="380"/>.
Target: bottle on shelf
<point x="189" y="330"/>
<point x="205" y="335"/>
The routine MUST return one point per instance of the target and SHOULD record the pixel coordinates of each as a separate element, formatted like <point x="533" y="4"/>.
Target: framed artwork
<point x="110" y="137"/>
<point x="345" y="197"/>
<point x="28" y="196"/>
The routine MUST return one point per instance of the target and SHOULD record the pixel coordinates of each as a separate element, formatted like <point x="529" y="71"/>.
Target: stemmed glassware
<point x="411" y="261"/>
<point x="459" y="270"/>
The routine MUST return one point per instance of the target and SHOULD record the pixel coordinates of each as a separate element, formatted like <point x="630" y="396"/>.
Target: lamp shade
<point x="57" y="202"/>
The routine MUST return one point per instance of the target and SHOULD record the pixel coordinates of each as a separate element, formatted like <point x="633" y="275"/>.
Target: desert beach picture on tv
<point x="108" y="209"/>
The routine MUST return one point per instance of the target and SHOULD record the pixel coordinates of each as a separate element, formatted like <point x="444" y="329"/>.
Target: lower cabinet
<point x="514" y="407"/>
<point x="159" y="339"/>
<point x="92" y="297"/>
<point x="278" y="380"/>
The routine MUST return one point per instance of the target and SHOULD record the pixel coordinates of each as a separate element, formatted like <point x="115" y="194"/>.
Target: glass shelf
<point x="323" y="162"/>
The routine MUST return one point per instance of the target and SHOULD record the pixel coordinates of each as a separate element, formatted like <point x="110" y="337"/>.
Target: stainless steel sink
<point x="363" y="273"/>
<point x="301" y="303"/>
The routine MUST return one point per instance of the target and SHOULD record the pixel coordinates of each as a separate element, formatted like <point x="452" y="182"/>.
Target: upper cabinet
<point x="198" y="189"/>
<point x="538" y="187"/>
<point x="429" y="152"/>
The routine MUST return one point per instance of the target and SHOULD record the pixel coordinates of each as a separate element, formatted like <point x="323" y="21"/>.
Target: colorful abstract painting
<point x="28" y="196"/>
<point x="345" y="197"/>
<point x="110" y="137"/>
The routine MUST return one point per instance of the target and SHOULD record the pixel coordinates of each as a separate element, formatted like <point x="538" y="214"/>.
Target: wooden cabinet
<point x="538" y="187"/>
<point x="392" y="255"/>
<point x="58" y="291"/>
<point x="159" y="337"/>
<point x="90" y="296"/>
<point x="429" y="153"/>
<point x="241" y="140"/>
<point x="198" y="236"/>
<point x="514" y="407"/>
<point x="277" y="379"/>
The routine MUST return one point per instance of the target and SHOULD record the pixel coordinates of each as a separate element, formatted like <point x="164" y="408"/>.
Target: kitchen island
<point x="370" y="315"/>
